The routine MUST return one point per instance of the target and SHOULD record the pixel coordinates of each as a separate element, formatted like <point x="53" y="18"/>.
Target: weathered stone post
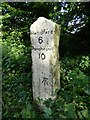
<point x="44" y="36"/>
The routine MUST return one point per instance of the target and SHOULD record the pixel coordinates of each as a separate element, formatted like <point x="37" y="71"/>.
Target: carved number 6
<point x="40" y="40"/>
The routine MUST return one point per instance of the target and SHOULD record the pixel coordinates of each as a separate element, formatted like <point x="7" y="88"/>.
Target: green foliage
<point x="72" y="99"/>
<point x="70" y="110"/>
<point x="47" y="112"/>
<point x="27" y="112"/>
<point x="16" y="75"/>
<point x="85" y="62"/>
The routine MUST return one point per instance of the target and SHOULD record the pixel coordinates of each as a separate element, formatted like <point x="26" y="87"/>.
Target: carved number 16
<point x="42" y="56"/>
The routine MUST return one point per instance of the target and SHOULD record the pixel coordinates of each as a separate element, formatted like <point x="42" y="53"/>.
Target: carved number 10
<point x="42" y="56"/>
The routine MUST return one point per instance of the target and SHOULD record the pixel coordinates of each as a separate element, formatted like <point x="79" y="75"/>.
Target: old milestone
<point x="45" y="36"/>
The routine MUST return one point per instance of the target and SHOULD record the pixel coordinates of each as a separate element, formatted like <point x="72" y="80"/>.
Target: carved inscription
<point x="42" y="56"/>
<point x="40" y="40"/>
<point x="44" y="31"/>
<point x="41" y="48"/>
<point x="45" y="81"/>
<point x="43" y="52"/>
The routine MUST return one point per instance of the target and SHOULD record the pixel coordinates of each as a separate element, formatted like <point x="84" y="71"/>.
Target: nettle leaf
<point x="87" y="90"/>
<point x="26" y="113"/>
<point x="16" y="115"/>
<point x="7" y="15"/>
<point x="47" y="112"/>
<point x="61" y="116"/>
<point x="85" y="113"/>
<point x="70" y="110"/>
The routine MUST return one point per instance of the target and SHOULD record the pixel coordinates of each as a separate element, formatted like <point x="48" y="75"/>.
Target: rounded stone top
<point x="41" y="23"/>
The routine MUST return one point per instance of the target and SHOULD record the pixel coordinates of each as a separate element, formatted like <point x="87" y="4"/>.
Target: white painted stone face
<point x="44" y="36"/>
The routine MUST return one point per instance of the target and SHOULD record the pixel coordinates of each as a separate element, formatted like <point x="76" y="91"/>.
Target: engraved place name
<point x="42" y="48"/>
<point x="44" y="31"/>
